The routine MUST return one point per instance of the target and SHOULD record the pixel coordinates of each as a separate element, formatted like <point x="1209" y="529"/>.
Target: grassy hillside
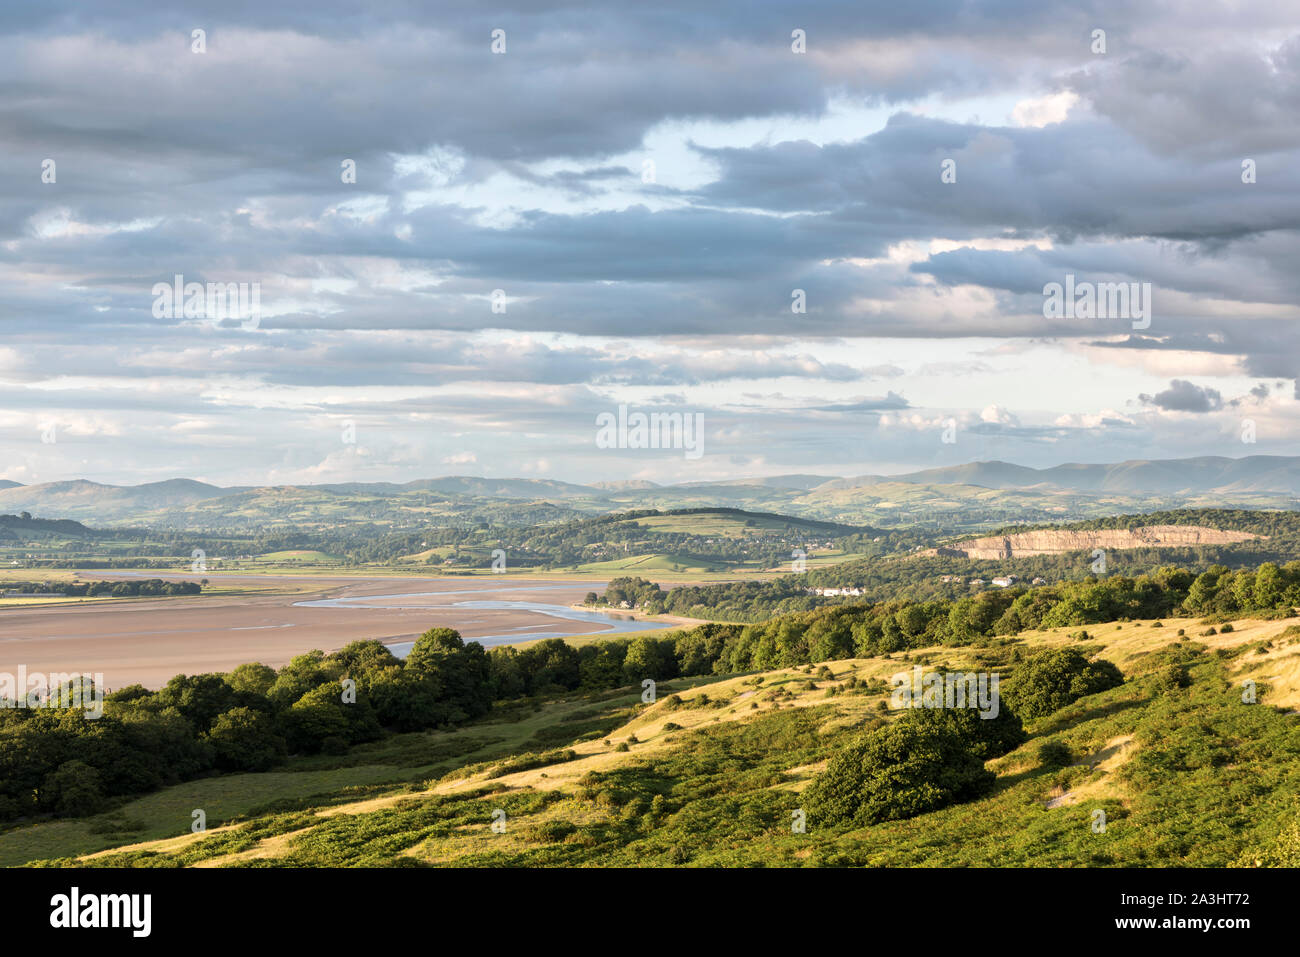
<point x="711" y="772"/>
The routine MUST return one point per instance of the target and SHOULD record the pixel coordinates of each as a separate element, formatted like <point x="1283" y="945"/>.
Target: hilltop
<point x="1253" y="473"/>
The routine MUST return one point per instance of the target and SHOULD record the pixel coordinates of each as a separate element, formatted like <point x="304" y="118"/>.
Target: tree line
<point x="117" y="589"/>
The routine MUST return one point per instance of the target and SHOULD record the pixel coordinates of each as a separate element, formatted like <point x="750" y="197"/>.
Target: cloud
<point x="1043" y="110"/>
<point x="1184" y="396"/>
<point x="775" y="172"/>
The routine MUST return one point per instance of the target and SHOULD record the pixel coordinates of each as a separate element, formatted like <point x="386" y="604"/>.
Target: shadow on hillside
<point x="1005" y="782"/>
<point x="1062" y="721"/>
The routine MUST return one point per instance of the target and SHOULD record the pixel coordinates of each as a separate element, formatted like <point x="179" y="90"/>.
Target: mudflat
<point x="149" y="641"/>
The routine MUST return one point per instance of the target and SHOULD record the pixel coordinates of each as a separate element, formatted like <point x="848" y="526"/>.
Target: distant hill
<point x="464" y="486"/>
<point x="98" y="503"/>
<point x="976" y="495"/>
<point x="10" y="525"/>
<point x="1254" y="473"/>
<point x="803" y="482"/>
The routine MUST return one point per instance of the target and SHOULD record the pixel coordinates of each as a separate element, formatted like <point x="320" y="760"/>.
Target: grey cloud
<point x="1184" y="396"/>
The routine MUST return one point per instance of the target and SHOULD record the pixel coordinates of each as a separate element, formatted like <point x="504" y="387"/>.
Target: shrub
<point x="1054" y="754"/>
<point x="1173" y="677"/>
<point x="985" y="737"/>
<point x="1050" y="680"/>
<point x="1226" y="629"/>
<point x="1283" y="852"/>
<point x="549" y="832"/>
<point x="897" y="771"/>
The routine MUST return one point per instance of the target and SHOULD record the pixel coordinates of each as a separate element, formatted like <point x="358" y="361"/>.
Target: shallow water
<point x="522" y="633"/>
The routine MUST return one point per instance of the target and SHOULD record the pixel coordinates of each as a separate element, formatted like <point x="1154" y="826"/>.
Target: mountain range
<point x="1062" y="491"/>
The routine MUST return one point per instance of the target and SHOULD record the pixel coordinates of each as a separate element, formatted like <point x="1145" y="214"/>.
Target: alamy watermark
<point x="651" y="430"/>
<point x="36" y="689"/>
<point x="1100" y="300"/>
<point x="953" y="689"/>
<point x="213" y="301"/>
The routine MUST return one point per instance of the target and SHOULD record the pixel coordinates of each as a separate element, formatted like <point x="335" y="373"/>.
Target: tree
<point x="896" y="771"/>
<point x="986" y="737"/>
<point x="252" y="678"/>
<point x="830" y="638"/>
<point x="649" y="658"/>
<point x="459" y="674"/>
<point x="507" y="674"/>
<point x="550" y="664"/>
<point x="199" y="698"/>
<point x="359" y="659"/>
<point x="1268" y="586"/>
<point x="317" y="715"/>
<point x="246" y="740"/>
<point x="1050" y="680"/>
<point x="1201" y="594"/>
<point x="73" y="790"/>
<point x="601" y="664"/>
<point x="303" y="673"/>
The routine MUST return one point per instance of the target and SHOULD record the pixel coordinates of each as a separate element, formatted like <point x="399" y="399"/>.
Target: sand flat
<point x="149" y="641"/>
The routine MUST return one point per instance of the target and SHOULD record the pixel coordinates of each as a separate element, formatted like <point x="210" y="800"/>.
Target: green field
<point x="652" y="563"/>
<point x="303" y="556"/>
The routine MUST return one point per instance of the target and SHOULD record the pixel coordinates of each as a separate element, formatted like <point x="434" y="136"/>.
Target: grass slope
<point x="710" y="774"/>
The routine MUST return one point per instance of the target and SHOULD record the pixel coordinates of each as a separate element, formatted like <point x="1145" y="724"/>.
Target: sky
<point x="825" y="231"/>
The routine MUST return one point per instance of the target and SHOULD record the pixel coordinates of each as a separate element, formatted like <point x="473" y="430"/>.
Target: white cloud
<point x="1043" y="110"/>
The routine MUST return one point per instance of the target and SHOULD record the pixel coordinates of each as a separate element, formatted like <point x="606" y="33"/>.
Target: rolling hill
<point x="973" y="495"/>
<point x="1253" y="473"/>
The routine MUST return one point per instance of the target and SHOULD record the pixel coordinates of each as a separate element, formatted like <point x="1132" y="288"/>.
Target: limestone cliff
<point x="1053" y="541"/>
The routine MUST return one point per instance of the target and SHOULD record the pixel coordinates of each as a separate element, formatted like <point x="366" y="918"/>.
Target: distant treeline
<point x="117" y="589"/>
<point x="1273" y="523"/>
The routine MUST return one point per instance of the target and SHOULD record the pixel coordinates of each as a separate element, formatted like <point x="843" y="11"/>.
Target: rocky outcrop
<point x="1053" y="541"/>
